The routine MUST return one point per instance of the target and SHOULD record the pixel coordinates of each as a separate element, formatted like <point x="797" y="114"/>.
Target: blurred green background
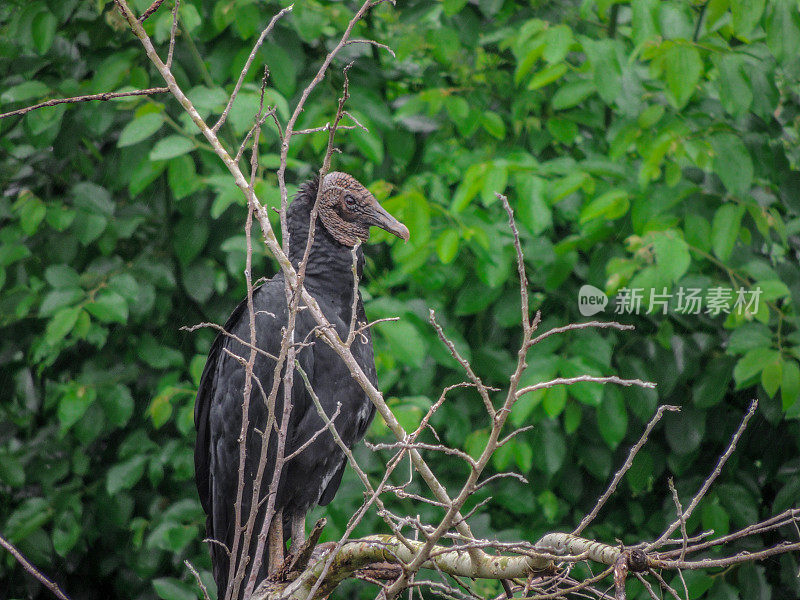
<point x="642" y="143"/>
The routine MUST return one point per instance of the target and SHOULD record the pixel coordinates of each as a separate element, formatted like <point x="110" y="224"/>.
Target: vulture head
<point x="348" y="210"/>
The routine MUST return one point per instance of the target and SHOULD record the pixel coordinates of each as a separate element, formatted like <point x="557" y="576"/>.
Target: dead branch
<point x="623" y="469"/>
<point x="50" y="585"/>
<point x="259" y="42"/>
<point x="76" y="99"/>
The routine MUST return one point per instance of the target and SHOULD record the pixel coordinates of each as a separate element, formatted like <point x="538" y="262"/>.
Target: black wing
<point x="202" y="408"/>
<point x="218" y="418"/>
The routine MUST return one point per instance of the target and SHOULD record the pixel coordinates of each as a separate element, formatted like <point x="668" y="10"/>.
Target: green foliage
<point x="643" y="144"/>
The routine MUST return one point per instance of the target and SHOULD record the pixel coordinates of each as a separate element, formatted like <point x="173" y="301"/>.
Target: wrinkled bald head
<point x="348" y="210"/>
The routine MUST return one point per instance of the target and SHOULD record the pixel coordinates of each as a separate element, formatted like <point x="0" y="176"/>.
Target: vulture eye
<point x="350" y="201"/>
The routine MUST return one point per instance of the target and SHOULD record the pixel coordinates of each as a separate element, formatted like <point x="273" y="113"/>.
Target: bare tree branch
<point x="76" y="99"/>
<point x="248" y="62"/>
<point x="624" y="469"/>
<point x="50" y="585"/>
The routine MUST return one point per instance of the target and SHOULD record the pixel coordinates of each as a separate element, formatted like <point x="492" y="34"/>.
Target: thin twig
<point x="198" y="580"/>
<point x="577" y="326"/>
<point x="585" y="378"/>
<point x="707" y="483"/>
<point x="624" y="468"/>
<point x="372" y="43"/>
<point x="247" y="64"/>
<point x="50" y="585"/>
<point x="150" y="10"/>
<point x="317" y="433"/>
<point x="76" y="99"/>
<point x="233" y="336"/>
<point x="479" y="385"/>
<point x="173" y="32"/>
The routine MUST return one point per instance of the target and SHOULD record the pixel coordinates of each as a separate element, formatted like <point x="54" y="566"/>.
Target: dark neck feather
<point x="330" y="263"/>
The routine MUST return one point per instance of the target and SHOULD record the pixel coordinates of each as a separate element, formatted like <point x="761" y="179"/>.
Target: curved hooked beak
<point x="380" y="218"/>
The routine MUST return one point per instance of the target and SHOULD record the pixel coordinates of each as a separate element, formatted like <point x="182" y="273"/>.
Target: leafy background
<point x="643" y="144"/>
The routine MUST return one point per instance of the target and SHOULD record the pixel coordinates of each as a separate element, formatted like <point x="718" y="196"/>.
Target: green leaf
<point x="61" y="324"/>
<point x="88" y="226"/>
<point x="783" y="29"/>
<point x="555" y="399"/>
<point x="171" y="146"/>
<point x="109" y="306"/>
<point x="24" y="91"/>
<point x="474" y="296"/>
<point x="476" y="442"/>
<point x="160" y="409"/>
<point x="732" y="163"/>
<point x="558" y="40"/>
<point x="59" y="217"/>
<point x="612" y="418"/>
<point x="117" y="404"/>
<point x="685" y="430"/>
<point x="144" y="173"/>
<point x="125" y="475"/>
<point x="725" y="229"/>
<point x="609" y="206"/>
<point x="30" y="515"/>
<point x="563" y="130"/>
<point x="62" y="276"/>
<point x="74" y="403"/>
<point x="66" y="532"/>
<point x="771" y="376"/>
<point x="140" y="129"/>
<point x="736" y="95"/>
<point x="672" y="254"/>
<point x="571" y="94"/>
<point x="714" y="383"/>
<point x="405" y="342"/>
<point x="752" y="363"/>
<point x="547" y="75"/>
<point x="31" y="211"/>
<point x="640" y="476"/>
<point x="749" y="336"/>
<point x="565" y="186"/>
<point x="493" y="124"/>
<point x="158" y="356"/>
<point x="190" y="18"/>
<point x="11" y="470"/>
<point x="370" y="145"/>
<point x="790" y="383"/>
<point x="43" y="31"/>
<point x="606" y="70"/>
<point x="198" y="279"/>
<point x="739" y="502"/>
<point x="11" y="253"/>
<point x="650" y="116"/>
<point x="714" y="517"/>
<point x="771" y="289"/>
<point x="59" y="298"/>
<point x="447" y="246"/>
<point x="189" y="239"/>
<point x="182" y="177"/>
<point x="469" y="187"/>
<point x="682" y="68"/>
<point x="552" y="449"/>
<point x="746" y="15"/>
<point x="452" y="7"/>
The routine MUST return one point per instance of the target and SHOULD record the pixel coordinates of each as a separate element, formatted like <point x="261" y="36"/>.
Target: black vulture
<point x="346" y="212"/>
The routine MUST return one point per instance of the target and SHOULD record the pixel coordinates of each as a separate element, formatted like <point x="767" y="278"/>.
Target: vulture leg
<point x="298" y="530"/>
<point x="275" y="542"/>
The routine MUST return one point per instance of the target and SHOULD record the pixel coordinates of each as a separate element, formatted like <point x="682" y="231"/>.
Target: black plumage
<point x="346" y="211"/>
